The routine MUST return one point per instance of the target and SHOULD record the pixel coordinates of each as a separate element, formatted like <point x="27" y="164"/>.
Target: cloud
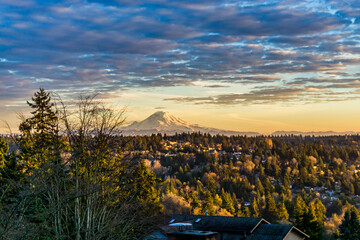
<point x="264" y="21"/>
<point x="273" y="94"/>
<point x="77" y="46"/>
<point x="344" y="74"/>
<point x="216" y="86"/>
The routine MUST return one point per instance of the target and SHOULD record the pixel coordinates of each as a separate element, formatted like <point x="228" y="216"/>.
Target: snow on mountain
<point x="159" y="122"/>
<point x="164" y="122"/>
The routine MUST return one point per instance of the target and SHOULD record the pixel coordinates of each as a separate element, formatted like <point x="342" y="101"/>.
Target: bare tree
<point x="94" y="167"/>
<point x="76" y="183"/>
<point x="107" y="201"/>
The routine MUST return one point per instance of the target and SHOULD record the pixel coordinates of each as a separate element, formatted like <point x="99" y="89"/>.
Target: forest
<point x="70" y="174"/>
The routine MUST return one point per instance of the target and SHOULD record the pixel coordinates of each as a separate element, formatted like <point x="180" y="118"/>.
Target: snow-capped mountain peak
<point x="164" y="122"/>
<point x="165" y="118"/>
<point x="160" y="121"/>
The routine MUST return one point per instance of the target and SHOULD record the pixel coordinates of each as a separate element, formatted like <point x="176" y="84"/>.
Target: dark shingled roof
<point x="219" y="223"/>
<point x="193" y="233"/>
<point x="273" y="232"/>
<point x="156" y="236"/>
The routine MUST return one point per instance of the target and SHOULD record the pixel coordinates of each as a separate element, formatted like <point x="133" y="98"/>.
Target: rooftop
<point x="273" y="232"/>
<point x="220" y="223"/>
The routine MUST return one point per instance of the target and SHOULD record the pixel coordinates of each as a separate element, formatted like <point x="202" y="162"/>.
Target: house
<point x="277" y="232"/>
<point x="180" y="227"/>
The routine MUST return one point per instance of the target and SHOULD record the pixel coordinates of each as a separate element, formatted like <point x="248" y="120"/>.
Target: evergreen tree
<point x="44" y="118"/>
<point x="282" y="213"/>
<point x="310" y="218"/>
<point x="211" y="185"/>
<point x="316" y="217"/>
<point x="194" y="201"/>
<point x="141" y="187"/>
<point x="259" y="187"/>
<point x="350" y="226"/>
<point x="45" y="176"/>
<point x="269" y="188"/>
<point x="235" y="202"/>
<point x="246" y="212"/>
<point x="4" y="148"/>
<point x="255" y="209"/>
<point x="218" y="200"/>
<point x="208" y="205"/>
<point x="10" y="171"/>
<point x="10" y="201"/>
<point x="286" y="182"/>
<point x="227" y="202"/>
<point x="270" y="207"/>
<point x="239" y="213"/>
<point x="40" y="137"/>
<point x="261" y="171"/>
<point x="300" y="210"/>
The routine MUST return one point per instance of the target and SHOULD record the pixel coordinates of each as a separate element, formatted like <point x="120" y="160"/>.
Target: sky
<point x="237" y="65"/>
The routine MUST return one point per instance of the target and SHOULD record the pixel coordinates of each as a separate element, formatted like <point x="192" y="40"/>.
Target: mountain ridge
<point x="313" y="133"/>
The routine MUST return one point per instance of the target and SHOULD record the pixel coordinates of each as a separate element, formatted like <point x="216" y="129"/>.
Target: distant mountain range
<point x="164" y="122"/>
<point x="321" y="133"/>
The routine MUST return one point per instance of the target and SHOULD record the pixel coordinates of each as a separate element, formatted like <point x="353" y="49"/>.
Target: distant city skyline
<point x="257" y="66"/>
